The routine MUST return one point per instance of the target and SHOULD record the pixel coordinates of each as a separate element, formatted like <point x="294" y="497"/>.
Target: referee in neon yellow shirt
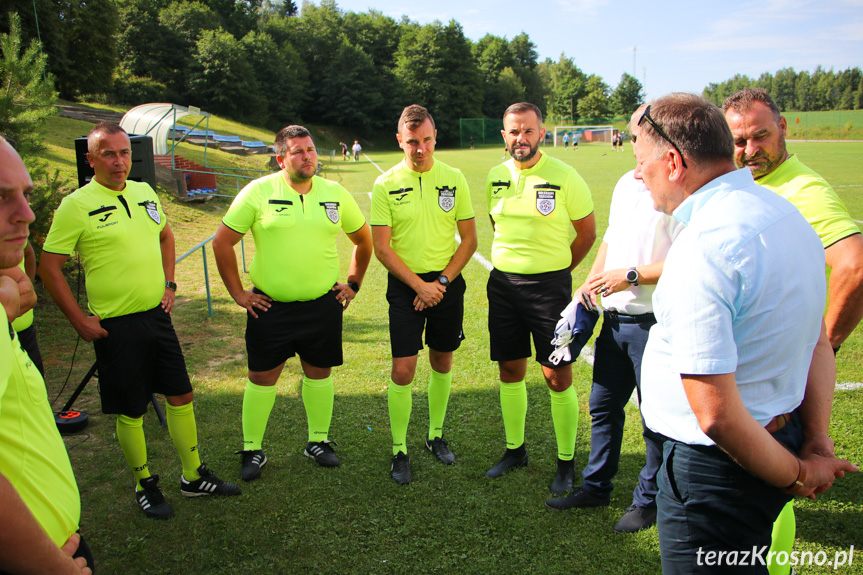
<point x="534" y="201"/>
<point x="417" y="208"/>
<point x="296" y="304"/>
<point x="126" y="246"/>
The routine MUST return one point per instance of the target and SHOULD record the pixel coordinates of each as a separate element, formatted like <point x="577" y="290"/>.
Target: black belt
<point x="627" y="318"/>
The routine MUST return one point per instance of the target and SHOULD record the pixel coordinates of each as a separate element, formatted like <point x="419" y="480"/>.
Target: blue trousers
<point x="713" y="516"/>
<point x="616" y="373"/>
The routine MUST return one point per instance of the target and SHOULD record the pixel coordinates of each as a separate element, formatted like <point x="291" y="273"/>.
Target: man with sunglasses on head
<point x="624" y="273"/>
<point x="535" y="202"/>
<point x="738" y="372"/>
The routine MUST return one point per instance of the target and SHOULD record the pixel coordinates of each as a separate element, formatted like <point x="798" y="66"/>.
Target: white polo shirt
<point x="742" y="292"/>
<point x="637" y="235"/>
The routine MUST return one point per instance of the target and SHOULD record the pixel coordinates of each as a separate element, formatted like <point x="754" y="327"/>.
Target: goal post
<point x="603" y="134"/>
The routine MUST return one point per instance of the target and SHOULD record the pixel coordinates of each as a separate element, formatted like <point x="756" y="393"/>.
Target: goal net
<point x="583" y="134"/>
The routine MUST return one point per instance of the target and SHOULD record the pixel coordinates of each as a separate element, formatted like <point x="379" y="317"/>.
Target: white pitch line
<point x="373" y="163"/>
<point x="849" y="386"/>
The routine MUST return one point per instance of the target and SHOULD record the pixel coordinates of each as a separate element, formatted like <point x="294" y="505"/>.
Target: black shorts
<point x="141" y="356"/>
<point x="442" y="323"/>
<point x="521" y="305"/>
<point x="312" y="329"/>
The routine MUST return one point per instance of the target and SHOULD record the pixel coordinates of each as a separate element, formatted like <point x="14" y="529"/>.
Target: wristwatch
<point x="171" y="285"/>
<point x="632" y="276"/>
<point x="443" y="280"/>
<point x="354" y="286"/>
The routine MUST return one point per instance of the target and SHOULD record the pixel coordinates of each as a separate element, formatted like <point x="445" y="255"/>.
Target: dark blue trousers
<point x="713" y="516"/>
<point x="616" y="373"/>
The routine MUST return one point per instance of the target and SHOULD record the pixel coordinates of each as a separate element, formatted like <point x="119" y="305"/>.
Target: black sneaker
<point x="580" y="498"/>
<point x="151" y="499"/>
<point x="252" y="461"/>
<point x="401" y="469"/>
<point x="564" y="478"/>
<point x="440" y="449"/>
<point x="207" y="484"/>
<point x="322" y="452"/>
<point x="511" y="459"/>
<point x="635" y="519"/>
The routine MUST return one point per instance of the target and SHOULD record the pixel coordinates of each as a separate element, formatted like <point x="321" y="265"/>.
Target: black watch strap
<point x="354" y="286"/>
<point x="171" y="285"/>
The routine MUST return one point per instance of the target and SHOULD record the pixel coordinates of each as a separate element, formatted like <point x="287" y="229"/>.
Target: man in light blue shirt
<point x="735" y="374"/>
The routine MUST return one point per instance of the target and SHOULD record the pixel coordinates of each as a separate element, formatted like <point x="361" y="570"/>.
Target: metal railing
<point x="203" y="247"/>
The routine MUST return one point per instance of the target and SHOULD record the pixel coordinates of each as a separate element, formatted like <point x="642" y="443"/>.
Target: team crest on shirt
<point x="152" y="210"/>
<point x="332" y="210"/>
<point x="545" y="201"/>
<point x="446" y="198"/>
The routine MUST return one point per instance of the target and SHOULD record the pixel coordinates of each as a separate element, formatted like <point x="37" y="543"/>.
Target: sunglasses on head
<point x="645" y="117"/>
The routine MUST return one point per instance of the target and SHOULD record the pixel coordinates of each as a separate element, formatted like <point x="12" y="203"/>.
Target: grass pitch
<point x="299" y="518"/>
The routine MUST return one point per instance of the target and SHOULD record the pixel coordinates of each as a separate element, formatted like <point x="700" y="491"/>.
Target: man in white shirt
<point x="624" y="273"/>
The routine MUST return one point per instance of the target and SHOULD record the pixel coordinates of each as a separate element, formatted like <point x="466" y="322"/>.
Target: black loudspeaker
<point x="143" y="164"/>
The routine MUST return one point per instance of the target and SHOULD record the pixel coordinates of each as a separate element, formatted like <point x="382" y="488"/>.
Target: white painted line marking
<point x="372" y="162"/>
<point x="849" y="386"/>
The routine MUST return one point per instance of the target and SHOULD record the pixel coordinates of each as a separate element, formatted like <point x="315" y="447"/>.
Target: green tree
<point x="27" y="99"/>
<point x="596" y="104"/>
<point x="222" y="78"/>
<point x="565" y="86"/>
<point x="627" y="96"/>
<point x="436" y="70"/>
<point x="181" y="25"/>
<point x="350" y="93"/>
<point x="91" y="59"/>
<point x="281" y="71"/>
<point x="27" y="93"/>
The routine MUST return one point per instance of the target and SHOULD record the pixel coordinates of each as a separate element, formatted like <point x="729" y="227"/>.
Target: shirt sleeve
<point x="381" y="214"/>
<point x="244" y="209"/>
<point x="699" y="323"/>
<point x="579" y="203"/>
<point x="66" y="229"/>
<point x="825" y="212"/>
<point x="352" y="217"/>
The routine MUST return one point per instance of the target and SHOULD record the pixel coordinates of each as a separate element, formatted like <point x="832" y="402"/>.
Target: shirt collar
<point x="737" y="179"/>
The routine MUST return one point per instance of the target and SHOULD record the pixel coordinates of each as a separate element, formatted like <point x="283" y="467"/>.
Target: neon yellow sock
<point x="258" y="402"/>
<point x="184" y="433"/>
<point x="564" y="415"/>
<point x="130" y="434"/>
<point x="439" y="388"/>
<point x="513" y="406"/>
<point x="399" y="402"/>
<point x="318" y="397"/>
<point x="784" y="530"/>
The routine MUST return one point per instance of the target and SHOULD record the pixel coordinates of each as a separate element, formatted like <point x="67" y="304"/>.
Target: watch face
<point x="443" y="280"/>
<point x="632" y="276"/>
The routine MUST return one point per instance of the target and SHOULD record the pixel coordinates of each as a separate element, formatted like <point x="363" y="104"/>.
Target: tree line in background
<point x="261" y="62"/>
<point x="258" y="61"/>
<point x="800" y="91"/>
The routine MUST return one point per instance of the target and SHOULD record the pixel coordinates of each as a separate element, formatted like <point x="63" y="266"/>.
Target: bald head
<point x="15" y="213"/>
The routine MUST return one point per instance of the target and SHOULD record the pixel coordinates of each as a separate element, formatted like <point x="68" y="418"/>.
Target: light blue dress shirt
<point x="743" y="292"/>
